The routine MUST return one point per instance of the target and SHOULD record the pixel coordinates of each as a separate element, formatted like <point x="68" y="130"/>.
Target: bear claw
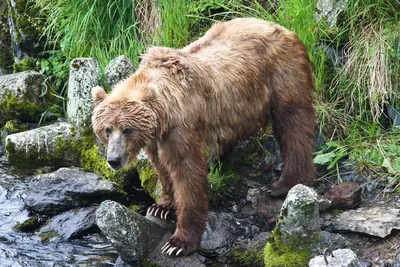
<point x="169" y="250"/>
<point x="156" y="210"/>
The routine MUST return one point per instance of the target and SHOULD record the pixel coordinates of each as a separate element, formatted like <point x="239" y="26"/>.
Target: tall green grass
<point x="97" y="28"/>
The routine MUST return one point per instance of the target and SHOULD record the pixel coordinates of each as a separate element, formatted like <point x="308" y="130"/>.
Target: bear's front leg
<point x="187" y="168"/>
<point x="164" y="207"/>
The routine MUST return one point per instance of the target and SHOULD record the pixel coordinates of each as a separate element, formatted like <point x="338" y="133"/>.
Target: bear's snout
<point x="114" y="162"/>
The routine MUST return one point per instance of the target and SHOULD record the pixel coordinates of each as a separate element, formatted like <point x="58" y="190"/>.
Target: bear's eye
<point x="108" y="131"/>
<point x="127" y="131"/>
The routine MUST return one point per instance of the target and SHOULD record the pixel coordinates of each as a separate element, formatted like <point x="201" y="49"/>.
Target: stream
<point x="19" y="249"/>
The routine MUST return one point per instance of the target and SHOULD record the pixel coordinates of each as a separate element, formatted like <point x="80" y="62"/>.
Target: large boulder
<point x="297" y="235"/>
<point x="68" y="188"/>
<point x="20" y="96"/>
<point x="119" y="69"/>
<point x="48" y="145"/>
<point x="84" y="74"/>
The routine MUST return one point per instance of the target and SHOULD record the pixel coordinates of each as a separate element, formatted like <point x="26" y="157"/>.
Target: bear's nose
<point x="115" y="163"/>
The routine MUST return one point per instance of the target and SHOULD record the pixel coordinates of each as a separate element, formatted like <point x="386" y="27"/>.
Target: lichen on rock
<point x="297" y="235"/>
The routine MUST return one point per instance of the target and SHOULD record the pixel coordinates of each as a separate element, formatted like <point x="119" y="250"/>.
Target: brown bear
<point x="184" y="104"/>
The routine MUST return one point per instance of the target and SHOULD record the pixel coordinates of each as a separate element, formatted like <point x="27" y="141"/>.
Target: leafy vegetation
<point x="354" y="86"/>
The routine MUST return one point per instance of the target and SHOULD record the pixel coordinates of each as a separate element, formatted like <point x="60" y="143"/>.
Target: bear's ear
<point x="98" y="95"/>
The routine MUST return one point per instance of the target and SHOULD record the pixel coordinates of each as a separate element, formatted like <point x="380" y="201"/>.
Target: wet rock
<point x="68" y="188"/>
<point x="346" y="195"/>
<point x="119" y="69"/>
<point x="330" y="10"/>
<point x="394" y="114"/>
<point x="340" y="258"/>
<point x="20" y="96"/>
<point x="48" y="145"/>
<point x="297" y="233"/>
<point x="221" y="231"/>
<point x="83" y="76"/>
<point x="375" y="221"/>
<point x="72" y="224"/>
<point x="132" y="235"/>
<point x="159" y="259"/>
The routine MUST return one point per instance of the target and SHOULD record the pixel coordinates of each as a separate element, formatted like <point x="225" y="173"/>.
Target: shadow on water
<point x="25" y="249"/>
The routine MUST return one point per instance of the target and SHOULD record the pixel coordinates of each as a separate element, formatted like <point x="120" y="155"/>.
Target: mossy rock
<point x="15" y="126"/>
<point x="29" y="225"/>
<point x="149" y="179"/>
<point x="247" y="258"/>
<point x="28" y="63"/>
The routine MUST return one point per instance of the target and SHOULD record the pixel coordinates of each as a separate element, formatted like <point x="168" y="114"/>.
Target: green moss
<point x="247" y="258"/>
<point x="13" y="107"/>
<point x="136" y="208"/>
<point x="149" y="179"/>
<point x="29" y="225"/>
<point x="28" y="63"/>
<point x="295" y="253"/>
<point x="44" y="237"/>
<point x="15" y="126"/>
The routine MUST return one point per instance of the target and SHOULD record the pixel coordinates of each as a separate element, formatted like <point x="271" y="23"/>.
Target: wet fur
<point x="202" y="99"/>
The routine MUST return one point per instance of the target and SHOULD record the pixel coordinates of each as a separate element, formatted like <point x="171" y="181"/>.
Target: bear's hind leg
<point x="165" y="206"/>
<point x="294" y="127"/>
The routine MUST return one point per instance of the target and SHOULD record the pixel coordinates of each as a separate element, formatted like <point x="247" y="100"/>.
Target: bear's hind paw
<point x="158" y="211"/>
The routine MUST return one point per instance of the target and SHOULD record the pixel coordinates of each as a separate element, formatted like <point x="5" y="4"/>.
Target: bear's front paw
<point x="178" y="247"/>
<point x="159" y="211"/>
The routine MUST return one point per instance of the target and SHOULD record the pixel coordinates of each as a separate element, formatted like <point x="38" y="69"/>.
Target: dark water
<point x="25" y="249"/>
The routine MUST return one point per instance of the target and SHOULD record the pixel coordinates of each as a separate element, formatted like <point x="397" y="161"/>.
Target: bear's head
<point x="124" y="123"/>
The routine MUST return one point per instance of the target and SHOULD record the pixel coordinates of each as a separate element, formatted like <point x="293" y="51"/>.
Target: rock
<point x="330" y="10"/>
<point x="268" y="208"/>
<point x="121" y="263"/>
<point x="159" y="259"/>
<point x="340" y="258"/>
<point x="72" y="224"/>
<point x="68" y="188"/>
<point x="297" y="234"/>
<point x="251" y="253"/>
<point x="375" y="221"/>
<point x="48" y="145"/>
<point x="334" y="241"/>
<point x="20" y="96"/>
<point x="323" y="203"/>
<point x="346" y="195"/>
<point x="132" y="235"/>
<point x="221" y="231"/>
<point x="119" y="69"/>
<point x="83" y="76"/>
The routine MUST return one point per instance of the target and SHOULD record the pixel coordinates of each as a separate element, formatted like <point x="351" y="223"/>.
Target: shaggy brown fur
<point x="205" y="97"/>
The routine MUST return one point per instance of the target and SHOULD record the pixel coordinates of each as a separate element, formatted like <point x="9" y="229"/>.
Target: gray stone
<point x="299" y="216"/>
<point x="68" y="188"/>
<point x="72" y="224"/>
<point x="375" y="221"/>
<point x="330" y="10"/>
<point x="341" y="258"/>
<point x="297" y="225"/>
<point x="48" y="145"/>
<point x="220" y="233"/>
<point x="26" y="85"/>
<point x="83" y="76"/>
<point x="119" y="69"/>
<point x="159" y="259"/>
<point x="25" y="88"/>
<point x="334" y="241"/>
<point x="132" y="235"/>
